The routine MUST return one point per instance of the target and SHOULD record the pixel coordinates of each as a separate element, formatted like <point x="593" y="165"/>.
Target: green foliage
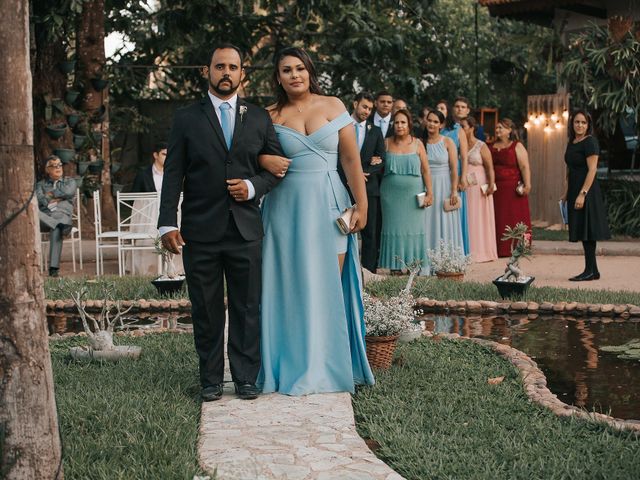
<point x="604" y="74"/>
<point x="130" y="419"/>
<point x="123" y="288"/>
<point x="622" y="198"/>
<point x="435" y="416"/>
<point x="553" y="235"/>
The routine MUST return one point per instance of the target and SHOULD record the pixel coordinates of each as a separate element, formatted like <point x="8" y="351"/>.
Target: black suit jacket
<point x="144" y="181"/>
<point x="198" y="158"/>
<point x="372" y="146"/>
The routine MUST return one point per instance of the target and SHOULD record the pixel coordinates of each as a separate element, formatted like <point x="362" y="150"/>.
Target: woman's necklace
<point x="302" y="106"/>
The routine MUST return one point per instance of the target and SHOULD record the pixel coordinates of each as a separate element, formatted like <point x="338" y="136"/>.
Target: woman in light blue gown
<point x="454" y="131"/>
<point x="441" y="152"/>
<point x="312" y="336"/>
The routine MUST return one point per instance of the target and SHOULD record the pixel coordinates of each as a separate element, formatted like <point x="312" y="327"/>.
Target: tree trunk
<point x="90" y="51"/>
<point x="29" y="439"/>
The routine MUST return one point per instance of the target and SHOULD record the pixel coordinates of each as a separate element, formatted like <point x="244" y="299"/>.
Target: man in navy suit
<point x="213" y="155"/>
<point x="382" y="116"/>
<point x="149" y="179"/>
<point x="371" y="145"/>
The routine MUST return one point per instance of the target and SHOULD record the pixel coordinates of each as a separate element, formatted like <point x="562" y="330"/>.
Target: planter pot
<point x="78" y="140"/>
<point x="99" y="115"/>
<point x="457" y="276"/>
<point x="380" y="350"/>
<point x="73" y="119"/>
<point x="67" y="67"/>
<point x="512" y="289"/>
<point x="82" y="167"/>
<point x="97" y="137"/>
<point x="169" y="286"/>
<point x="66" y="155"/>
<point x="115" y="168"/>
<point x="58" y="104"/>
<point x="95" y="168"/>
<point x="99" y="83"/>
<point x="114" y="354"/>
<point x="71" y="96"/>
<point x="56" y="131"/>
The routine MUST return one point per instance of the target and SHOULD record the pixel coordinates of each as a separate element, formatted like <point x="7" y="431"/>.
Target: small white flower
<point x="242" y="110"/>
<point x="368" y="126"/>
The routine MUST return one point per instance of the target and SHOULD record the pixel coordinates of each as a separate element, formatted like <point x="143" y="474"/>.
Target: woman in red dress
<point x="513" y="182"/>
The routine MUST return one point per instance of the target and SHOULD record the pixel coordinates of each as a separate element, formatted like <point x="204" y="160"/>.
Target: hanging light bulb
<point x="543" y="117"/>
<point x="536" y="121"/>
<point x="558" y="125"/>
<point x="547" y="129"/>
<point x="532" y="117"/>
<point x="527" y="125"/>
<point x="554" y="117"/>
<point x="565" y="114"/>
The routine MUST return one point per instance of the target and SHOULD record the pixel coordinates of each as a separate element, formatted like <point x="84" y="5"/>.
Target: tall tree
<point x="29" y="441"/>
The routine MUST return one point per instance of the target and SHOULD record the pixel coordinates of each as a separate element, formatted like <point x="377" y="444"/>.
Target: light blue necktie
<point x="226" y="123"/>
<point x="357" y="127"/>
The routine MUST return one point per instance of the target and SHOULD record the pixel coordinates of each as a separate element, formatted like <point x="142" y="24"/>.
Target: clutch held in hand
<point x="344" y="220"/>
<point x="420" y="198"/>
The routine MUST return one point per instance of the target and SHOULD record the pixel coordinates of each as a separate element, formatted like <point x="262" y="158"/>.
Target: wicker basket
<point x="457" y="276"/>
<point x="380" y="351"/>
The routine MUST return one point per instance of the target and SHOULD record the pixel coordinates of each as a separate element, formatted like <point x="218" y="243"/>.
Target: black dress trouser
<point x="371" y="236"/>
<point x="206" y="266"/>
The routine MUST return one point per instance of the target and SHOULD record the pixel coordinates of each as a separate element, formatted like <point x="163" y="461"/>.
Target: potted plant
<point x="100" y="333"/>
<point x="170" y="281"/>
<point x="385" y="321"/>
<point x="66" y="155"/>
<point x="514" y="282"/>
<point x="448" y="262"/>
<point x="71" y="96"/>
<point x="56" y="131"/>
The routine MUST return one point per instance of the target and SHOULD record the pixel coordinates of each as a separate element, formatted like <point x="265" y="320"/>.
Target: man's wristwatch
<point x="583" y="192"/>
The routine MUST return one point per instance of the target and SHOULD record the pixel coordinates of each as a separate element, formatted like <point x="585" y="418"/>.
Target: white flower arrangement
<point x="448" y="259"/>
<point x="242" y="111"/>
<point x="384" y="318"/>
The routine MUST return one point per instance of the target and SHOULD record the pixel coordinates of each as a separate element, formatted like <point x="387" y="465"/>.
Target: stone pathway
<point x="283" y="437"/>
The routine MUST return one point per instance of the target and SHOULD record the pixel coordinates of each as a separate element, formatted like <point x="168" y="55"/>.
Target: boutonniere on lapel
<point x="368" y="127"/>
<point x="242" y="110"/>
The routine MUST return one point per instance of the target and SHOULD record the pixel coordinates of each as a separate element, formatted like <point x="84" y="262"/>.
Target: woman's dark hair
<point x="507" y="122"/>
<point x="571" y="131"/>
<point x="471" y="121"/>
<point x="406" y="113"/>
<point x="437" y="113"/>
<point x="449" y="124"/>
<point x="314" y="86"/>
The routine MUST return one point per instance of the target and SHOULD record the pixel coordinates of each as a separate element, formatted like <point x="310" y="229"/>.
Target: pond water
<point x="565" y="348"/>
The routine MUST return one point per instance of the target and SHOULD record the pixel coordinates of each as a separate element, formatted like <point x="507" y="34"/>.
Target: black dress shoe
<point x="211" y="393"/>
<point x="585" y="277"/>
<point x="54" y="272"/>
<point x="246" y="390"/>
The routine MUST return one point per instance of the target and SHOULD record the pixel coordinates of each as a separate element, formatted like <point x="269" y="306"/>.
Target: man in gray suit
<point x="55" y="202"/>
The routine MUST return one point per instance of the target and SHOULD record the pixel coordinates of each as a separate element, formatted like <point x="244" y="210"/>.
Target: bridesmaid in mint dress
<point x="441" y="225"/>
<point x="312" y="332"/>
<point x="407" y="174"/>
<point x="454" y="131"/>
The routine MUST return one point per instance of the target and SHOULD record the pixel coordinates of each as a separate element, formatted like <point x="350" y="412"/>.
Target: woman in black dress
<point x="587" y="214"/>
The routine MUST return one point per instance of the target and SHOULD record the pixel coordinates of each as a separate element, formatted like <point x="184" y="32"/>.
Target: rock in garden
<point x="570" y="307"/>
<point x="546" y="307"/>
<point x="519" y="306"/>
<point x="634" y="311"/>
<point x="559" y="307"/>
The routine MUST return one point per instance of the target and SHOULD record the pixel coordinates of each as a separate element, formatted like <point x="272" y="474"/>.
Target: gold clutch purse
<point x="447" y="207"/>
<point x="420" y="198"/>
<point x="344" y="220"/>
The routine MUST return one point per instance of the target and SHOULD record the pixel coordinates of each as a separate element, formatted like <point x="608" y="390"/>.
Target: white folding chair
<point x="104" y="240"/>
<point x="137" y="225"/>
<point x="75" y="237"/>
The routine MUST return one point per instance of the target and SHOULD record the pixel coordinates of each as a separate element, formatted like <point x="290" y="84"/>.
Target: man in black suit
<point x="382" y="116"/>
<point x="213" y="153"/>
<point x="149" y="179"/>
<point x="371" y="144"/>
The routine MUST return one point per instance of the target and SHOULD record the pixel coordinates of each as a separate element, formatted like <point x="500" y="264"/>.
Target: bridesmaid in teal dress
<point x="312" y="332"/>
<point x="407" y="174"/>
<point x="441" y="151"/>
<point x="454" y="131"/>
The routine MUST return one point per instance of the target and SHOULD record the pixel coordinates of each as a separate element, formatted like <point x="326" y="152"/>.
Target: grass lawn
<point x="544" y="234"/>
<point x="436" y="417"/>
<point x="131" y="419"/>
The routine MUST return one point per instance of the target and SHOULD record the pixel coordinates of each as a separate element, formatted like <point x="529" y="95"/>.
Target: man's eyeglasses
<point x="54" y="165"/>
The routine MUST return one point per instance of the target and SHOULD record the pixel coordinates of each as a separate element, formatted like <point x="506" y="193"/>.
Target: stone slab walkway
<point x="282" y="437"/>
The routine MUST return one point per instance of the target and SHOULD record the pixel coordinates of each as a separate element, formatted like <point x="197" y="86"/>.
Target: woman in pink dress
<point x="481" y="185"/>
<point x="513" y="182"/>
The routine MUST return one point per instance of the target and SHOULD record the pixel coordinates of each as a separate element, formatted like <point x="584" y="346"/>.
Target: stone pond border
<point x="534" y="380"/>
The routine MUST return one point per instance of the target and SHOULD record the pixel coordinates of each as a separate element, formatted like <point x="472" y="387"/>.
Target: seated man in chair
<point x="55" y="202"/>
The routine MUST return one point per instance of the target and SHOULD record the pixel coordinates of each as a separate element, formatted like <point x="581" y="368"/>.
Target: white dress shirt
<point x="157" y="178"/>
<point x="382" y="122"/>
<point x="233" y="101"/>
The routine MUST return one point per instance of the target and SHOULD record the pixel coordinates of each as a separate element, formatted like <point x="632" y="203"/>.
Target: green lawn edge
<point x="435" y="416"/>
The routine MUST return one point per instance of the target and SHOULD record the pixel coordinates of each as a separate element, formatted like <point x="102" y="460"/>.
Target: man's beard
<point x="224" y="91"/>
